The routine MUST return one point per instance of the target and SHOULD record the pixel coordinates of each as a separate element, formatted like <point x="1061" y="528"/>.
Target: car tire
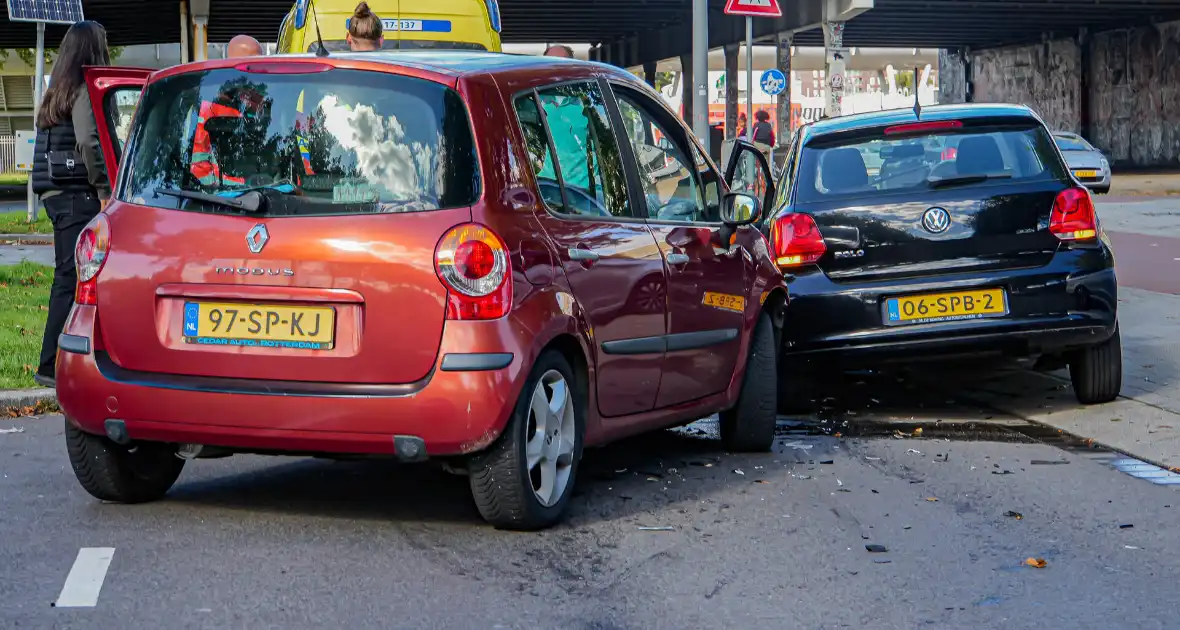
<point x="110" y="472"/>
<point x="749" y="425"/>
<point x="1097" y="371"/>
<point x="510" y="492"/>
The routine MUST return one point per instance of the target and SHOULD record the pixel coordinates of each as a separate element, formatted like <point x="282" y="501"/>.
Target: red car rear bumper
<point x="460" y="407"/>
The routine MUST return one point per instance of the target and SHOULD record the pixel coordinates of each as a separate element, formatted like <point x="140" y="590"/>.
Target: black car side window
<point x="574" y="152"/>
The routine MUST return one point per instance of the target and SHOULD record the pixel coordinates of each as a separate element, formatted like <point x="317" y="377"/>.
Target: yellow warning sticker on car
<point x="724" y="301"/>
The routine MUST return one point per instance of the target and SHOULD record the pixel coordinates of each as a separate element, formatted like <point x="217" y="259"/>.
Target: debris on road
<point x="1126" y="526"/>
<point x="914" y="451"/>
<point x="1048" y="462"/>
<point x="874" y="548"/>
<point x="1014" y="514"/>
<point x="739" y="471"/>
<point x="932" y="499"/>
<point x="13" y="430"/>
<point x="664" y="528"/>
<point x="1036" y="563"/>
<point x="1002" y="472"/>
<point x="827" y="461"/>
<point x="918" y="432"/>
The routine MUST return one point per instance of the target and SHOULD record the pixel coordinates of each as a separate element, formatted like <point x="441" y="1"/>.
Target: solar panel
<point x="52" y="11"/>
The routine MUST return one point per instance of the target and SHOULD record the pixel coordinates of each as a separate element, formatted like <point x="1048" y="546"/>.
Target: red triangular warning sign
<point x="753" y="8"/>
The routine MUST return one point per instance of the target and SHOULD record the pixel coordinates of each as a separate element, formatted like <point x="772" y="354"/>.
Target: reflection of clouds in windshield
<point x="382" y="154"/>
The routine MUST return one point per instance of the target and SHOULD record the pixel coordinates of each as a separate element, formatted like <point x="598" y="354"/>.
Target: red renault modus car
<point x="490" y="260"/>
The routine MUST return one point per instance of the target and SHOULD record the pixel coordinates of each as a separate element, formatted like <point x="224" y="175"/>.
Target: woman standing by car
<point x="68" y="171"/>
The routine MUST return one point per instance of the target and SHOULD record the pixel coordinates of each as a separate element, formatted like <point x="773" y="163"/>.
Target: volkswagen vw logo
<point x="256" y="238"/>
<point x="936" y="220"/>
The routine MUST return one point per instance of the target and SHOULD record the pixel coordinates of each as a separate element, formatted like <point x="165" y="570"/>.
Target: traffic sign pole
<point x="749" y="78"/>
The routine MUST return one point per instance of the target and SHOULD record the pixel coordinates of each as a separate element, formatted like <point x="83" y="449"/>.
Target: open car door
<point x="749" y="173"/>
<point x="114" y="93"/>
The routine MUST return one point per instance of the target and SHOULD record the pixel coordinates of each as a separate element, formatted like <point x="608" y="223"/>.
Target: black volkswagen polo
<point x="949" y="231"/>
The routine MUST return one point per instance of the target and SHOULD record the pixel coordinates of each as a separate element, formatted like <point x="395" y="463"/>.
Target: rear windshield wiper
<point x="954" y="180"/>
<point x="250" y="201"/>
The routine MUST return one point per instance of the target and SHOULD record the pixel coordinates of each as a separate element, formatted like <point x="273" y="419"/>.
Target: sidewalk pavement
<point x="1144" y="423"/>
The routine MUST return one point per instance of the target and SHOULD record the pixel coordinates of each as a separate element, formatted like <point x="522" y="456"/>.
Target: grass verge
<point x="24" y="302"/>
<point x="14" y="179"/>
<point x="18" y="223"/>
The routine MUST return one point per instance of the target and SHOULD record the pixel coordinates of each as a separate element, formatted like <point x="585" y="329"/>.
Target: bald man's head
<point x="243" y="46"/>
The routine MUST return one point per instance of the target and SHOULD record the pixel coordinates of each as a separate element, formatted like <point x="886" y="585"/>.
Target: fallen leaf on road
<point x="932" y="499"/>
<point x="761" y="481"/>
<point x="1015" y="515"/>
<point x="876" y="548"/>
<point x="837" y="434"/>
<point x="1116" y="419"/>
<point x="1126" y="526"/>
<point x="1088" y="441"/>
<point x="918" y="432"/>
<point x="1036" y="563"/>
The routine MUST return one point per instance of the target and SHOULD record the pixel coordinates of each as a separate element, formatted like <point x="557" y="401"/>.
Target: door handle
<point x="582" y="255"/>
<point x="678" y="259"/>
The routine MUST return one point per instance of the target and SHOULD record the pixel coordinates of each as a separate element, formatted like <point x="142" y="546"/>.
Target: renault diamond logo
<point x="256" y="238"/>
<point x="936" y="220"/>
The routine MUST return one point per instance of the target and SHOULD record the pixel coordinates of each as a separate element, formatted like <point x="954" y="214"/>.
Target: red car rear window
<point x="316" y="143"/>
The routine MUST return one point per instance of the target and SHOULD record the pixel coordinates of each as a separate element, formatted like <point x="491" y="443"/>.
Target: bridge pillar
<point x="835" y="52"/>
<point x="649" y="73"/>
<point x="783" y="45"/>
<point x="198" y="28"/>
<point x="731" y="91"/>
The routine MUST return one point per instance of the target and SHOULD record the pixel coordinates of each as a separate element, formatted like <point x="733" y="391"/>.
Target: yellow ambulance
<point x="408" y="24"/>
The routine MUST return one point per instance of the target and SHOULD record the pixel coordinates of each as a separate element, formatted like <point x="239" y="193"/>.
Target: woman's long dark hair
<point x="85" y="44"/>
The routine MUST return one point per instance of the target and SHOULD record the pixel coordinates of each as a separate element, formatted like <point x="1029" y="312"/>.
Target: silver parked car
<point x="1087" y="163"/>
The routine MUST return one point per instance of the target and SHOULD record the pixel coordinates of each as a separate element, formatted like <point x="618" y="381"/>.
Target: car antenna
<point x="321" y="50"/>
<point x="917" y="103"/>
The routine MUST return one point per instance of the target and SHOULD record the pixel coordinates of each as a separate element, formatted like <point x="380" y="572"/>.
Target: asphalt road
<point x="769" y="541"/>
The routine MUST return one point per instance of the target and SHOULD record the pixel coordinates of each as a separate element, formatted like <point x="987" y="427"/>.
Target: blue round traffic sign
<point x="773" y="82"/>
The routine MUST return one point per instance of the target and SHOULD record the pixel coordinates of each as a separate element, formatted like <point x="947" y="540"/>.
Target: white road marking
<point x="85" y="579"/>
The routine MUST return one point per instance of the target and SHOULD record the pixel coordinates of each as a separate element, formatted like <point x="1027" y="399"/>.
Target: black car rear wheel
<point x="749" y="425"/>
<point x="1097" y="371"/>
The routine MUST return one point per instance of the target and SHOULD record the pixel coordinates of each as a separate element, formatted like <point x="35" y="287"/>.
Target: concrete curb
<point x="34" y="239"/>
<point x="21" y="398"/>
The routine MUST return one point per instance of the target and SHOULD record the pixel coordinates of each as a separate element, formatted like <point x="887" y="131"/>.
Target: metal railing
<point x="7" y="154"/>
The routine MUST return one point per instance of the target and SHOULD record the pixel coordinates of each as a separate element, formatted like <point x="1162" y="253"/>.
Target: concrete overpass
<point x="1105" y="68"/>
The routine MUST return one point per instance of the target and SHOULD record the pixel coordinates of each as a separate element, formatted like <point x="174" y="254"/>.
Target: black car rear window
<point x="878" y="162"/>
<point x="313" y="143"/>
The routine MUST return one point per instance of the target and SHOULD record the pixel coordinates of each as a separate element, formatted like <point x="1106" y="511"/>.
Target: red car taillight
<point x="474" y="265"/>
<point x="90" y="254"/>
<point x="796" y="240"/>
<point x="1073" y="216"/>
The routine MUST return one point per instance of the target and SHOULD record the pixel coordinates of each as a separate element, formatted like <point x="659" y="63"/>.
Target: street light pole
<point x="700" y="71"/>
<point x="38" y="93"/>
